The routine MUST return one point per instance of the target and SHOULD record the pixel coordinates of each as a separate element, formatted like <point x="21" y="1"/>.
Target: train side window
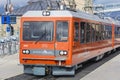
<point x="108" y="30"/>
<point x="118" y="28"/>
<point x="93" y="32"/>
<point x="116" y="32"/>
<point x="76" y="31"/>
<point x="82" y="32"/>
<point x="97" y="32"/>
<point x="88" y="32"/>
<point x="103" y="32"/>
<point x="100" y="32"/>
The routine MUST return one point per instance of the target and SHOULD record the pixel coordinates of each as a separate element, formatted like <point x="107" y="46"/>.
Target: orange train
<point x="59" y="41"/>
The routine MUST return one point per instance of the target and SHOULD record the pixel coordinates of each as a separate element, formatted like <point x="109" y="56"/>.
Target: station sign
<point x="8" y="29"/>
<point x="8" y="19"/>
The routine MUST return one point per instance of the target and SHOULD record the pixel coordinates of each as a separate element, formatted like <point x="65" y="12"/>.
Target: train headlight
<point x="23" y="51"/>
<point x="26" y="51"/>
<point x="63" y="53"/>
<point x="46" y="13"/>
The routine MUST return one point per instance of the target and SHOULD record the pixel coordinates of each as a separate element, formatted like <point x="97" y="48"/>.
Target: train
<point x="57" y="42"/>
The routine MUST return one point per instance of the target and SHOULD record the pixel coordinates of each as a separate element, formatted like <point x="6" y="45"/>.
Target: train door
<point x="61" y="43"/>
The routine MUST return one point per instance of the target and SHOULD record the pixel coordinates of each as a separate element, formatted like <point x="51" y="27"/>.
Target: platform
<point x="108" y="71"/>
<point x="9" y="66"/>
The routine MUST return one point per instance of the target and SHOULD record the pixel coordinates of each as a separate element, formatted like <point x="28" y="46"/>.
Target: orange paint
<point x="77" y="53"/>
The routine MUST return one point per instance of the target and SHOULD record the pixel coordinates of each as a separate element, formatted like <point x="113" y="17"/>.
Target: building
<point x="83" y="5"/>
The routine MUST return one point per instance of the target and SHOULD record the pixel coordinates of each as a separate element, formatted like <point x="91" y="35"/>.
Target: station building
<point x="83" y="5"/>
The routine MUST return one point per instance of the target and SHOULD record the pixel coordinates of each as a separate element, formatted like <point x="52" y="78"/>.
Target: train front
<point x="45" y="43"/>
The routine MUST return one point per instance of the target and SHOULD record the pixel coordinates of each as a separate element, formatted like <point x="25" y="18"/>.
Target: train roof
<point x="67" y="13"/>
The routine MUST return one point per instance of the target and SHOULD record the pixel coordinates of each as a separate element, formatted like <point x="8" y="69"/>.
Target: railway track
<point x="88" y="67"/>
<point x="31" y="77"/>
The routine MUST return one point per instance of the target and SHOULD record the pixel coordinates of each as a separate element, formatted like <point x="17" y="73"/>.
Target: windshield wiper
<point x="45" y="33"/>
<point x="40" y="37"/>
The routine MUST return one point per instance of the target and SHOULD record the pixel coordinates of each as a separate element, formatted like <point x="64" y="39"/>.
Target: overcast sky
<point x="15" y="2"/>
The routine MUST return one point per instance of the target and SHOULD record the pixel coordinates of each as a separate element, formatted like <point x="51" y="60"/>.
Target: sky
<point x="17" y="2"/>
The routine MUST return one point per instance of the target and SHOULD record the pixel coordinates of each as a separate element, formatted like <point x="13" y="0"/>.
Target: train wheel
<point x="98" y="57"/>
<point x="101" y="56"/>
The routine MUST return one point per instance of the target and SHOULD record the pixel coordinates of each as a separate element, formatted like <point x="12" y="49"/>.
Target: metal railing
<point x="9" y="45"/>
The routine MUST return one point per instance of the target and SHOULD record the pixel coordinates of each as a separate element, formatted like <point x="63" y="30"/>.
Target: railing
<point x="112" y="6"/>
<point x="107" y="8"/>
<point x="9" y="45"/>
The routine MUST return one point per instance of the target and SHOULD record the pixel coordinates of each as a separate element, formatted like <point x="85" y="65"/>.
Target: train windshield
<point x="38" y="31"/>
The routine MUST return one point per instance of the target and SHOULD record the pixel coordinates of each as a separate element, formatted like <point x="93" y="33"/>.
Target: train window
<point x="93" y="32"/>
<point x="76" y="31"/>
<point x="88" y="27"/>
<point x="117" y="31"/>
<point x="110" y="33"/>
<point x="108" y="30"/>
<point x="62" y="31"/>
<point x="100" y="32"/>
<point x="118" y="28"/>
<point x="88" y="32"/>
<point x="82" y="32"/>
<point x="103" y="32"/>
<point x="38" y="31"/>
<point x="118" y="34"/>
<point x="97" y="33"/>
